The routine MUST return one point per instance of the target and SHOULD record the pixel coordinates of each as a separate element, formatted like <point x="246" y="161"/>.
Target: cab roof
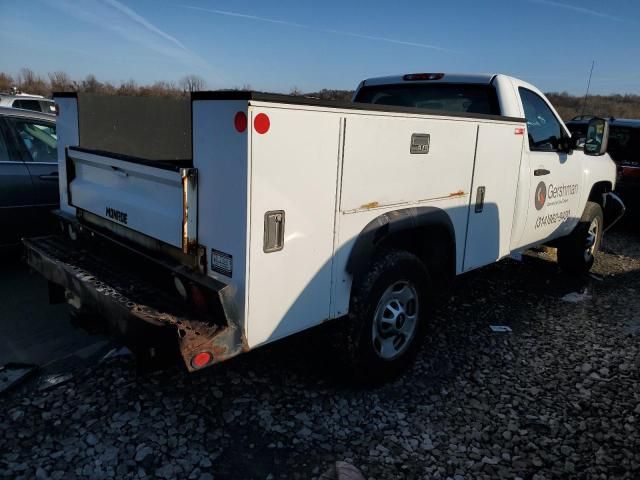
<point x="476" y="78"/>
<point x="19" y="112"/>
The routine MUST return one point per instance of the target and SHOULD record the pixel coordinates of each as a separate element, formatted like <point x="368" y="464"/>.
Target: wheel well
<point x="598" y="190"/>
<point x="426" y="232"/>
<point x="433" y="244"/>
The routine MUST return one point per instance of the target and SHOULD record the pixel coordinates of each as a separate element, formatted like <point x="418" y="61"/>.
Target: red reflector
<point x="198" y="298"/>
<point x="519" y="131"/>
<point x="201" y="359"/>
<point x="261" y="123"/>
<point x="240" y="121"/>
<point x="422" y="76"/>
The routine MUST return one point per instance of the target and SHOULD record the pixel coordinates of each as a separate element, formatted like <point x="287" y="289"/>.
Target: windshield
<point x="452" y="97"/>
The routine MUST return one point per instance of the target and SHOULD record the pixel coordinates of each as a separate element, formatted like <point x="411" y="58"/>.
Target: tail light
<point x="240" y="122"/>
<point x="198" y="298"/>
<point x="56" y="109"/>
<point x="201" y="359"/>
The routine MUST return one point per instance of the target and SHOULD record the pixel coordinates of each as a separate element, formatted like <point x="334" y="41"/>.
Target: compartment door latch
<point x="480" y="200"/>
<point x="273" y="231"/>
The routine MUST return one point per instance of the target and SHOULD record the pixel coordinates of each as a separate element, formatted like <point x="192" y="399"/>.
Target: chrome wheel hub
<point x="592" y="237"/>
<point x="395" y="320"/>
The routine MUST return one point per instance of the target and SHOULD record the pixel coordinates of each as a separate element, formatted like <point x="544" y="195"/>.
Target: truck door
<point x="493" y="192"/>
<point x="16" y="192"/>
<point x="37" y="143"/>
<point x="555" y="177"/>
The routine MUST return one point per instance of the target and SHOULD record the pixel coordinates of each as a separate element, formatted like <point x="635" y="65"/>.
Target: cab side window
<point x="27" y="105"/>
<point x="4" y="150"/>
<point x="38" y="139"/>
<point x="543" y="127"/>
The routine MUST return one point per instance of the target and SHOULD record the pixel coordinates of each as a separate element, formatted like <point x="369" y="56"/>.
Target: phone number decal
<point x="552" y="218"/>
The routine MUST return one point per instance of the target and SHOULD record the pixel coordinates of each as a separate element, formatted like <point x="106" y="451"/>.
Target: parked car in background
<point x="624" y="149"/>
<point x="28" y="173"/>
<point x="26" y="101"/>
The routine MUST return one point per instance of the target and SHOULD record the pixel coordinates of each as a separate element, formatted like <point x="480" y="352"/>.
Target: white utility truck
<point x="217" y="225"/>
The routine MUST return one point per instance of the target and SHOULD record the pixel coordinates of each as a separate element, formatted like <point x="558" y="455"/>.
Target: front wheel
<point x="577" y="252"/>
<point x="387" y="316"/>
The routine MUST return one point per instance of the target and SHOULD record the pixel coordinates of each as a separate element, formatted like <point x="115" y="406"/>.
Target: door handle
<point x="480" y="200"/>
<point x="51" y="176"/>
<point x="541" y="171"/>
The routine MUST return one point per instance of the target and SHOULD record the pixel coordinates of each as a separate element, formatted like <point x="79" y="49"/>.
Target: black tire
<point x="576" y="253"/>
<point x="360" y="345"/>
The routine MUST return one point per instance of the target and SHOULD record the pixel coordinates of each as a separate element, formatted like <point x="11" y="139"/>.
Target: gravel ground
<point x="558" y="397"/>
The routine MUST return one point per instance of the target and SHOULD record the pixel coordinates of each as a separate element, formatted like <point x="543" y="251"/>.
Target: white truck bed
<point x="324" y="171"/>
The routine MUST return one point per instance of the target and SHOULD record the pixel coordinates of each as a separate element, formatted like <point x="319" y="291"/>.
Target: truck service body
<point x="242" y="218"/>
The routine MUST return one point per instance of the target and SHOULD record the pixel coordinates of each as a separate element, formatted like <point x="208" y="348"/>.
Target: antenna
<point x="584" y="102"/>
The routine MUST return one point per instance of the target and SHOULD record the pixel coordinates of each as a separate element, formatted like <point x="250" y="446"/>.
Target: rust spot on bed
<point x="459" y="193"/>
<point x="370" y="205"/>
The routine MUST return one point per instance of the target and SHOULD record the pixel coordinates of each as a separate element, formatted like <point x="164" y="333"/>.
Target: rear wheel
<point x="387" y="316"/>
<point x="577" y="252"/>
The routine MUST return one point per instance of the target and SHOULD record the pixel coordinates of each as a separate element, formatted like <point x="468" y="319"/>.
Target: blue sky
<point x="331" y="44"/>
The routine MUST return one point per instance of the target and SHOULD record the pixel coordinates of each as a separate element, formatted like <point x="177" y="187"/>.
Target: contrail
<point x="143" y="22"/>
<point x="122" y="21"/>
<point x="586" y="11"/>
<point x="310" y="27"/>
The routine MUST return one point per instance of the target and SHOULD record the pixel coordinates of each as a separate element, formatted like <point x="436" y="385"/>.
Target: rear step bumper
<point x="134" y="306"/>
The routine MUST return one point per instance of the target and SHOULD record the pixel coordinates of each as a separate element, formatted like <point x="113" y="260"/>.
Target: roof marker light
<point x="422" y="76"/>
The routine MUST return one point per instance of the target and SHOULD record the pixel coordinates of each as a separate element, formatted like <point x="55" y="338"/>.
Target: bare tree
<point x="162" y="89"/>
<point x="91" y="84"/>
<point x="192" y="83"/>
<point x="60" y="82"/>
<point x="296" y="92"/>
<point x="128" y="88"/>
<point x="6" y="82"/>
<point x="30" y="82"/>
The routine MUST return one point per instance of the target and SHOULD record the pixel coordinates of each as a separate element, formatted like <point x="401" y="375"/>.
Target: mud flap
<point x="613" y="209"/>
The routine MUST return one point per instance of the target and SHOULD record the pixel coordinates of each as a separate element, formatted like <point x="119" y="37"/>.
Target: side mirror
<point x="597" y="137"/>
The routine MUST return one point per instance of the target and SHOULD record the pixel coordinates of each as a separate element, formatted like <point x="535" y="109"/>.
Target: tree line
<point x="27" y="81"/>
<point x="568" y="106"/>
<point x="613" y="105"/>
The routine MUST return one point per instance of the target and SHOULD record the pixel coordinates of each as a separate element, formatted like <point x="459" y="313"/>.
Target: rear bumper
<point x="132" y="301"/>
